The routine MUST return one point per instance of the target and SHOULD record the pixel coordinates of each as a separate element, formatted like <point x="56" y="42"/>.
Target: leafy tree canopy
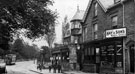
<point x="33" y="15"/>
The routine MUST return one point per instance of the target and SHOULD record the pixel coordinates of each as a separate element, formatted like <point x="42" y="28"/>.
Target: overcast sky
<point x="63" y="7"/>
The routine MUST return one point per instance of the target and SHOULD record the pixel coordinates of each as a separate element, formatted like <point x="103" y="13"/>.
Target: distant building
<point x="109" y="36"/>
<point x="69" y="52"/>
<point x="66" y="31"/>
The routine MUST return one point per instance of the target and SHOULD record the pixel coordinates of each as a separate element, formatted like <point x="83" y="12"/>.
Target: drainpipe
<point x="124" y="39"/>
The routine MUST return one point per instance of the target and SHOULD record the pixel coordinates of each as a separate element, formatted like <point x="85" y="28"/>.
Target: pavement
<point x="33" y="68"/>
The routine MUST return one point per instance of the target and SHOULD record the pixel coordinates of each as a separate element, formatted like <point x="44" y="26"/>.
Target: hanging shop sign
<point x="121" y="32"/>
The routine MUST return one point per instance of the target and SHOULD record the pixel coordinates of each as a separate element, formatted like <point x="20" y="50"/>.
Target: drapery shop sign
<point x="121" y="32"/>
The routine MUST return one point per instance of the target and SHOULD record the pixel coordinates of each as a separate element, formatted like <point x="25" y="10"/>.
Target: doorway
<point x="132" y="58"/>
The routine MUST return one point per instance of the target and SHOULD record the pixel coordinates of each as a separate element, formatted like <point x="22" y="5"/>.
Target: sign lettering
<point x="116" y="33"/>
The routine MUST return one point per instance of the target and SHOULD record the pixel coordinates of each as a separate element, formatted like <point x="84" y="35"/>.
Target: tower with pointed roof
<point x="76" y="31"/>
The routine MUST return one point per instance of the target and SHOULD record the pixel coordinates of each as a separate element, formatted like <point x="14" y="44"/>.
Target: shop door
<point x="132" y="59"/>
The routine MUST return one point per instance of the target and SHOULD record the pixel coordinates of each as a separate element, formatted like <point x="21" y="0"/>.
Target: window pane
<point x="86" y="33"/>
<point x="114" y="21"/>
<point x="96" y="9"/>
<point x="95" y="27"/>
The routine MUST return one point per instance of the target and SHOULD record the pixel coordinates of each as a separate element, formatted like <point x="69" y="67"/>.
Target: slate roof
<point x="78" y="15"/>
<point x="105" y="4"/>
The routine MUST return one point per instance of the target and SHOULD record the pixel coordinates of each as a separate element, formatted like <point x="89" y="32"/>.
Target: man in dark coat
<point x="59" y="68"/>
<point x="50" y="67"/>
<point x="54" y="68"/>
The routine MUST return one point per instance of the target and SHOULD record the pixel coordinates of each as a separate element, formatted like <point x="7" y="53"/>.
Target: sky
<point x="63" y="8"/>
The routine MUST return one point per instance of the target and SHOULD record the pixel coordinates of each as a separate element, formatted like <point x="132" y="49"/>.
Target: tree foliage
<point x="44" y="55"/>
<point x="33" y="15"/>
<point x="50" y="37"/>
<point x="18" y="45"/>
<point x="23" y="50"/>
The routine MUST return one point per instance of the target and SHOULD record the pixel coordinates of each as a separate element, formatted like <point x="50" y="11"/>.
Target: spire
<point x="78" y="7"/>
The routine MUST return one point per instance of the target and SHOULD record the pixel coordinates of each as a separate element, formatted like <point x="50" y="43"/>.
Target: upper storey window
<point x="75" y="25"/>
<point x="95" y="28"/>
<point x="95" y="7"/>
<point x="114" y="21"/>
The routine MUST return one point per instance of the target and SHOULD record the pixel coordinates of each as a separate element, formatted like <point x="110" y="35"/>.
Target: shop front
<point x="106" y="55"/>
<point x="103" y="55"/>
<point x="111" y="55"/>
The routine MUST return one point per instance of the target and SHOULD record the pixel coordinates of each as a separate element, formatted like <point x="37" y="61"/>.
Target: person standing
<point x="50" y="67"/>
<point x="59" y="68"/>
<point x="54" y="68"/>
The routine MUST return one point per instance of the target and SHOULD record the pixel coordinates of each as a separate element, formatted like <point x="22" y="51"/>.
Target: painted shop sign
<point x="121" y="32"/>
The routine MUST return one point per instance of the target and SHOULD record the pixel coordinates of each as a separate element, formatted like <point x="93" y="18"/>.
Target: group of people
<point x="55" y="68"/>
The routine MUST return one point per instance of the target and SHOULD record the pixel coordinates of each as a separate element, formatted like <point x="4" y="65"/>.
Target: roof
<point x="78" y="15"/>
<point x="105" y="4"/>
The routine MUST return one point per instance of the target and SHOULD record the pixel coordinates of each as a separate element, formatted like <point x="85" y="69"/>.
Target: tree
<point x="44" y="55"/>
<point x="33" y="15"/>
<point x="18" y="45"/>
<point x="1" y="52"/>
<point x="50" y="37"/>
<point x="24" y="50"/>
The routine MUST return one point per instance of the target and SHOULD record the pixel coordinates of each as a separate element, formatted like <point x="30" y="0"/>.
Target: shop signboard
<point x="121" y="32"/>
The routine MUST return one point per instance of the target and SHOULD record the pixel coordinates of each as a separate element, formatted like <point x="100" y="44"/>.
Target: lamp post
<point x="78" y="51"/>
<point x="51" y="58"/>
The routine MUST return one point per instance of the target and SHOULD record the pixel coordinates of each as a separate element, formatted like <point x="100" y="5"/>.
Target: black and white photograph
<point x="67" y="36"/>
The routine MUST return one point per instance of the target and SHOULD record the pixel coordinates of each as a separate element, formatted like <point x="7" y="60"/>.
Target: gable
<point x="89" y="7"/>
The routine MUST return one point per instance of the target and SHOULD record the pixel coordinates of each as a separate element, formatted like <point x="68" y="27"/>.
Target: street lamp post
<point x="51" y="58"/>
<point x="78" y="50"/>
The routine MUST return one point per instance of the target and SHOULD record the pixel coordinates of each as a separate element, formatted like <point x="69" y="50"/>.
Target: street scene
<point x="67" y="36"/>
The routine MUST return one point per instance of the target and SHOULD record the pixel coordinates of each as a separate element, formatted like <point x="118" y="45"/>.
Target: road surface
<point x="21" y="68"/>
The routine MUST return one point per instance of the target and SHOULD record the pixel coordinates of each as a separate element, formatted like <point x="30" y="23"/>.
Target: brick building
<point x="109" y="36"/>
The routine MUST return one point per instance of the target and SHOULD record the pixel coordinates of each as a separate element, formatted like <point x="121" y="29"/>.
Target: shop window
<point x="85" y="51"/>
<point x="89" y="55"/>
<point x="119" y="56"/>
<point x="97" y="55"/>
<point x="114" y="21"/>
<point x="107" y="56"/>
<point x="97" y="51"/>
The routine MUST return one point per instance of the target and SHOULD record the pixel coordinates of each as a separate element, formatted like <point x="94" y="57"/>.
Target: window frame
<point x="114" y="21"/>
<point x="95" y="9"/>
<point x="95" y="30"/>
